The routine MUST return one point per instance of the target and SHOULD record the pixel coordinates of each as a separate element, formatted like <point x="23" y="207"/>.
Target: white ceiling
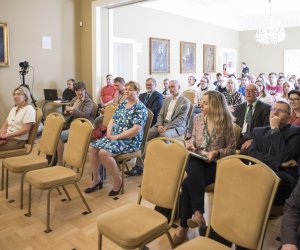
<point x="235" y="14"/>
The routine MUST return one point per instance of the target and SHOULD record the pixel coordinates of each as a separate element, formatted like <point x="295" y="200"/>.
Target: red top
<point x="294" y="119"/>
<point x="273" y="90"/>
<point x="107" y="93"/>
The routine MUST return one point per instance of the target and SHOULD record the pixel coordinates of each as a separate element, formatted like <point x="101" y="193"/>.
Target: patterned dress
<point x="124" y="119"/>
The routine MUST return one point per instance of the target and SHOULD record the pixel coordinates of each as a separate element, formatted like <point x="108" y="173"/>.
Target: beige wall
<point x="267" y="58"/>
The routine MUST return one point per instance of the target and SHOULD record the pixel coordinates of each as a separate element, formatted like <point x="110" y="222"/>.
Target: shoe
<point x="114" y="193"/>
<point x="194" y="223"/>
<point x="136" y="170"/>
<point x="202" y="229"/>
<point x="94" y="188"/>
<point x="177" y="240"/>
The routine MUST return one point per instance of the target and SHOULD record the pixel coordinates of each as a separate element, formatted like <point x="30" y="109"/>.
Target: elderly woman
<point x="124" y="135"/>
<point x="15" y="130"/>
<point x="294" y="100"/>
<point x="233" y="97"/>
<point x="81" y="106"/>
<point x="213" y="137"/>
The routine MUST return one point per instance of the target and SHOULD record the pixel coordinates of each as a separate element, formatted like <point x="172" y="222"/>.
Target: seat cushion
<point x="12" y="153"/>
<point x="130" y="225"/>
<point x="19" y="164"/>
<point x="48" y="177"/>
<point x="122" y="157"/>
<point x="202" y="243"/>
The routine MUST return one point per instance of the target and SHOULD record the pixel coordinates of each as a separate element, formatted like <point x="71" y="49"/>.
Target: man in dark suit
<point x="249" y="115"/>
<point x="152" y="99"/>
<point x="278" y="147"/>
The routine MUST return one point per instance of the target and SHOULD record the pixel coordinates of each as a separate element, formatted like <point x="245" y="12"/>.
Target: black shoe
<point x="114" y="193"/>
<point x="136" y="170"/>
<point x="94" y="188"/>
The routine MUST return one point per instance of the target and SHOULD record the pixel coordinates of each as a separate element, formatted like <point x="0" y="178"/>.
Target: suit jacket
<point x="154" y="103"/>
<point x="260" y="117"/>
<point x="179" y="116"/>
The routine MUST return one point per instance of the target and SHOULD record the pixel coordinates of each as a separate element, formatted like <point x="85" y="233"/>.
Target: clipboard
<point x="202" y="157"/>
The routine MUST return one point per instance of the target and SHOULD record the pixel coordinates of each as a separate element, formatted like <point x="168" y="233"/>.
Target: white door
<point x="292" y="62"/>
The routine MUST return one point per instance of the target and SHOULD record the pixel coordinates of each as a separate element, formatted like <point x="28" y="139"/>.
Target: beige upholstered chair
<point x="47" y="146"/>
<point x="134" y="225"/>
<point x="123" y="159"/>
<point x="188" y="121"/>
<point x="95" y="109"/>
<point x="29" y="144"/>
<point x="239" y="188"/>
<point x="108" y="113"/>
<point x="58" y="176"/>
<point x="190" y="94"/>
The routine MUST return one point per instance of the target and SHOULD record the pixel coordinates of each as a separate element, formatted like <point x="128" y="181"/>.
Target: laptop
<point x="50" y="94"/>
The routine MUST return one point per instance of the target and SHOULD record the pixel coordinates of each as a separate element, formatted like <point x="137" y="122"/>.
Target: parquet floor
<point x="71" y="229"/>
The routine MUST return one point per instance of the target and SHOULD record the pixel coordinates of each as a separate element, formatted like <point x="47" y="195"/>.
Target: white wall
<point x="140" y="23"/>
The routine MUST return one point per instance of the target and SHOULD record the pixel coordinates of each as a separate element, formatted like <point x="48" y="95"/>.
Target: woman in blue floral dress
<point x="124" y="135"/>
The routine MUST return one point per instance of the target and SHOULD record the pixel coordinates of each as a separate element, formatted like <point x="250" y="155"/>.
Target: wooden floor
<point x="71" y="229"/>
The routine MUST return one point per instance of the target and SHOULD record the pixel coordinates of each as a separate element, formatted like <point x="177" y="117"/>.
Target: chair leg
<point x="2" y="176"/>
<point x="83" y="199"/>
<point x="29" y="201"/>
<point x="48" y="229"/>
<point x="66" y="192"/>
<point x="6" y="184"/>
<point x="123" y="177"/>
<point x="99" y="241"/>
<point x="170" y="239"/>
<point x="22" y="190"/>
<point x="58" y="190"/>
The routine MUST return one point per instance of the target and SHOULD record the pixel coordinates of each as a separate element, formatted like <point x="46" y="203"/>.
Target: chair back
<point x="189" y="116"/>
<point x="146" y="130"/>
<point x="237" y="132"/>
<point x="190" y="94"/>
<point x="34" y="128"/>
<point x="164" y="167"/>
<point x="108" y="113"/>
<point x="51" y="133"/>
<point x="78" y="143"/>
<point x="239" y="188"/>
<point x="95" y="109"/>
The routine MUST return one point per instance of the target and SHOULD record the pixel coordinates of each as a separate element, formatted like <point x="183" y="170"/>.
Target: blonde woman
<point x="15" y="130"/>
<point x="233" y="97"/>
<point x="212" y="137"/>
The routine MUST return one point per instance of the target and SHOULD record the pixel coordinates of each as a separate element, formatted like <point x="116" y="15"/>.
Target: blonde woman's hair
<point x="235" y="84"/>
<point x="218" y="112"/>
<point x="25" y="92"/>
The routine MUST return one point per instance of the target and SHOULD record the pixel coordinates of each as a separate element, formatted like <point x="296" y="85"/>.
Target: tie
<point x="247" y="135"/>
<point x="147" y="98"/>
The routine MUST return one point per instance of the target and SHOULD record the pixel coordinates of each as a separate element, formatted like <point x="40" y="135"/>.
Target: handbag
<point x="68" y="120"/>
<point x="98" y="132"/>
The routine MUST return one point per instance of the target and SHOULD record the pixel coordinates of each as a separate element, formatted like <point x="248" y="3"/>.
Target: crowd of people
<point x="266" y="110"/>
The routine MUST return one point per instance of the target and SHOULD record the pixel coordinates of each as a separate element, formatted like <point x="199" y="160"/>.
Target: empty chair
<point x="190" y="94"/>
<point x="134" y="225"/>
<point x="238" y="188"/>
<point x="47" y="146"/>
<point x="74" y="157"/>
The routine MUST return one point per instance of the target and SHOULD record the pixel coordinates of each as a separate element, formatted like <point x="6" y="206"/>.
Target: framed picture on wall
<point x="159" y="55"/>
<point x="187" y="57"/>
<point x="209" y="58"/>
<point x="3" y="44"/>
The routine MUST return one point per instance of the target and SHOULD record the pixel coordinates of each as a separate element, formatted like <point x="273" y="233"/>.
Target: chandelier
<point x="270" y="32"/>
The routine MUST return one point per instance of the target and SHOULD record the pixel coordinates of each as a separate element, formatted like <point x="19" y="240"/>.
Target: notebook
<point x="202" y="157"/>
<point x="50" y="94"/>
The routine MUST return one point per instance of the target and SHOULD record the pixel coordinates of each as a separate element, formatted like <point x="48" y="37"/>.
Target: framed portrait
<point x="187" y="57"/>
<point x="209" y="58"/>
<point x="159" y="55"/>
<point x="4" y="44"/>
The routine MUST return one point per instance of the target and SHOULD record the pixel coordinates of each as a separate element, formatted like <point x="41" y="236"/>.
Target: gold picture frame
<point x="209" y="58"/>
<point x="159" y="55"/>
<point x="187" y="57"/>
<point x="4" y="50"/>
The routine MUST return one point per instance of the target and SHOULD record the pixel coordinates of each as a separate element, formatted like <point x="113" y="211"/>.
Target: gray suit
<point x="177" y="125"/>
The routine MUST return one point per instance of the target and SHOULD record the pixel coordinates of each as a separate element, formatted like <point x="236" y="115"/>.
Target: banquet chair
<point x="59" y="176"/>
<point x="123" y="159"/>
<point x="190" y="94"/>
<point x="134" y="225"/>
<point x="47" y="146"/>
<point x="238" y="188"/>
<point x="29" y="144"/>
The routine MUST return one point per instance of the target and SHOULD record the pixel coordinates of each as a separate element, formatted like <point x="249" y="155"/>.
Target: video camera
<point x="24" y="67"/>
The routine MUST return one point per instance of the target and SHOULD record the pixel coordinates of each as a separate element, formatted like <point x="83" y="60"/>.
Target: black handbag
<point x="68" y="121"/>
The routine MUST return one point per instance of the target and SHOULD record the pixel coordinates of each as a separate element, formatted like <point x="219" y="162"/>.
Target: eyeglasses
<point x="279" y="110"/>
<point x="294" y="99"/>
<point x="250" y="90"/>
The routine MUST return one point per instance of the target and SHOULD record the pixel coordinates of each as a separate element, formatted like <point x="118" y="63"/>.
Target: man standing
<point x="152" y="99"/>
<point x="171" y="121"/>
<point x="249" y="115"/>
<point x="245" y="69"/>
<point x="278" y="147"/>
<point x="106" y="94"/>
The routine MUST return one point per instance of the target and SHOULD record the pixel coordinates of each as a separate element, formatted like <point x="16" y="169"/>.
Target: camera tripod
<point x="23" y="72"/>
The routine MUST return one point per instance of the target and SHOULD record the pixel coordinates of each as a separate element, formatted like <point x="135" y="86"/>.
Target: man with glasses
<point x="249" y="115"/>
<point x="278" y="147"/>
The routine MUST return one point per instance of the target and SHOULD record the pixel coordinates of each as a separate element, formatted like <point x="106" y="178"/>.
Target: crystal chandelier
<point x="270" y="32"/>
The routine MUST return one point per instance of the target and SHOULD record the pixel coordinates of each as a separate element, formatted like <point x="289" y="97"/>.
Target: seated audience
<point x="218" y="81"/>
<point x="69" y="92"/>
<point x="213" y="136"/>
<point x="202" y="88"/>
<point x="106" y="94"/>
<point x="294" y="100"/>
<point x="171" y="120"/>
<point x="263" y="95"/>
<point x="278" y="147"/>
<point x="165" y="92"/>
<point x="124" y="135"/>
<point x="192" y="83"/>
<point x="222" y="87"/>
<point x="233" y="97"/>
<point x="15" y="130"/>
<point x="249" y="115"/>
<point x="273" y="88"/>
<point x="80" y="107"/>
<point x="286" y="88"/>
<point x="291" y="221"/>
